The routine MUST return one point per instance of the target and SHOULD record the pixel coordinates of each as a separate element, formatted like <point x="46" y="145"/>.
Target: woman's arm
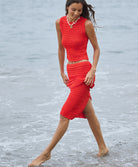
<point x="92" y="37"/>
<point x="61" y="52"/>
<point x="89" y="28"/>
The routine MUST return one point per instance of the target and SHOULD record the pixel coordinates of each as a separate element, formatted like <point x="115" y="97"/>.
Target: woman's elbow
<point x="97" y="50"/>
<point x="61" y="48"/>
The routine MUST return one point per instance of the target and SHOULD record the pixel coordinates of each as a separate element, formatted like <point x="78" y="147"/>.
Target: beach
<point x="32" y="91"/>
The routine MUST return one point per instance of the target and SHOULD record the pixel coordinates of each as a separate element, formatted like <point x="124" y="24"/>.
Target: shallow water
<point x="32" y="92"/>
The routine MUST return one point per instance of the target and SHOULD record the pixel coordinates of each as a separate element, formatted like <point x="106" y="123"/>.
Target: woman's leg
<point x="95" y="127"/>
<point x="46" y="154"/>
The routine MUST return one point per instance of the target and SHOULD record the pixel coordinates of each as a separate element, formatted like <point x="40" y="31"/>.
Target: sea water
<point x="32" y="92"/>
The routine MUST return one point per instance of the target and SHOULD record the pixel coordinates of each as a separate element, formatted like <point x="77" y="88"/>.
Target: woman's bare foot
<point x="40" y="159"/>
<point x="103" y="152"/>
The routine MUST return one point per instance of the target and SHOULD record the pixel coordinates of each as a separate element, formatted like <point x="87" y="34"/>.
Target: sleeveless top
<point x="74" y="39"/>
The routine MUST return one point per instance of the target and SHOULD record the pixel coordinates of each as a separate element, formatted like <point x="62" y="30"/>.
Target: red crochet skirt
<point x="79" y="91"/>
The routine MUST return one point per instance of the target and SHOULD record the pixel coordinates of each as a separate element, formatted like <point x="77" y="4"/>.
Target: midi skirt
<point x="79" y="91"/>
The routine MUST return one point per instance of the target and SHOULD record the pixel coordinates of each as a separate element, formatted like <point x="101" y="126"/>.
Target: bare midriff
<point x="73" y="62"/>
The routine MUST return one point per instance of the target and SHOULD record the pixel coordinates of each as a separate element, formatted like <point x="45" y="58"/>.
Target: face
<point x="75" y="10"/>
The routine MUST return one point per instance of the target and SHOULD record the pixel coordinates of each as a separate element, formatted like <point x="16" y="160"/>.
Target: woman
<point x="73" y="31"/>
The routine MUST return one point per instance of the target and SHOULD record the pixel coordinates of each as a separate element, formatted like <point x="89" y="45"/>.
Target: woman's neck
<point x="71" y="19"/>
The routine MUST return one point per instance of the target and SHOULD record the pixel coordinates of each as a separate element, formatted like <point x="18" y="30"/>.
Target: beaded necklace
<point x="71" y="25"/>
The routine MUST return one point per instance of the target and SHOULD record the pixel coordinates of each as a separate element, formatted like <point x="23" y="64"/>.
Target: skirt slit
<point x="79" y="92"/>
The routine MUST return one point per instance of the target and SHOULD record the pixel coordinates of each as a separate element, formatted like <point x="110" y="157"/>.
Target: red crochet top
<point x="74" y="39"/>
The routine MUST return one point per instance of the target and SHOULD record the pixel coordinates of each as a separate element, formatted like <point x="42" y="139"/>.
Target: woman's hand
<point x="65" y="78"/>
<point x="89" y="77"/>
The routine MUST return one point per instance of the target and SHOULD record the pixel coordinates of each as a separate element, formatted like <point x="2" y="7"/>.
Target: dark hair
<point x="88" y="11"/>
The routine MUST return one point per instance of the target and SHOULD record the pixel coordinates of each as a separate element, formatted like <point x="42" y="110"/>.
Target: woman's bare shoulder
<point x="88" y="24"/>
<point x="57" y="22"/>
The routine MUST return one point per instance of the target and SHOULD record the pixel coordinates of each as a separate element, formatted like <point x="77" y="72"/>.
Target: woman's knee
<point x="63" y="119"/>
<point x="89" y="110"/>
<point x="87" y="113"/>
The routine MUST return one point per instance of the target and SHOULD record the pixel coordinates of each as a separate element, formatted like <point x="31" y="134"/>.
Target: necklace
<point x="71" y="25"/>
